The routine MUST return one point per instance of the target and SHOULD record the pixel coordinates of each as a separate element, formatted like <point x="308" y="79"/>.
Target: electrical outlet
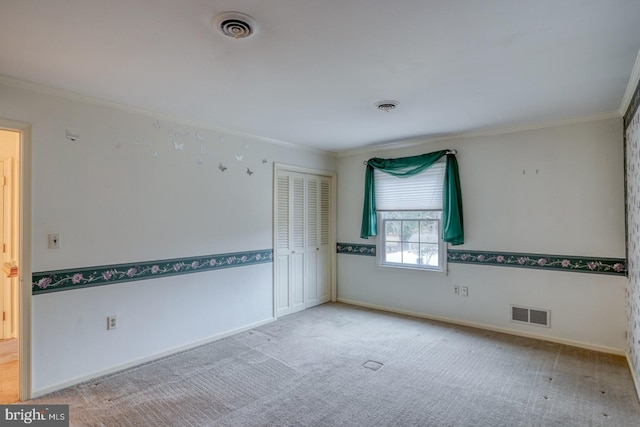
<point x="464" y="291"/>
<point x="456" y="290"/>
<point x="54" y="241"/>
<point x="112" y="322"/>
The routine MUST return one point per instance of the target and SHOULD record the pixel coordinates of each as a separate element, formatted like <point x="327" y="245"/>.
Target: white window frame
<point x="381" y="246"/>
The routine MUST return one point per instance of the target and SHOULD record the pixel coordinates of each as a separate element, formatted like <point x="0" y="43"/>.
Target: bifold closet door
<point x="290" y="242"/>
<point x="318" y="290"/>
<point x="303" y="241"/>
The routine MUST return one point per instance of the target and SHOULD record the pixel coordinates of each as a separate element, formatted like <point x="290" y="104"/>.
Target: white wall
<point x="113" y="202"/>
<point x="574" y="205"/>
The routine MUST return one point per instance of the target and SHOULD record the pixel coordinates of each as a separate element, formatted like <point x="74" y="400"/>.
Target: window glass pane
<point x="411" y="253"/>
<point x="393" y="252"/>
<point x="392" y="230"/>
<point x="410" y="231"/>
<point x="429" y="254"/>
<point x="411" y="214"/>
<point x="429" y="231"/>
<point x="434" y="214"/>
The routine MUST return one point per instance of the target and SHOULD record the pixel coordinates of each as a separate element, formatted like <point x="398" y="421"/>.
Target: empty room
<point x="279" y="212"/>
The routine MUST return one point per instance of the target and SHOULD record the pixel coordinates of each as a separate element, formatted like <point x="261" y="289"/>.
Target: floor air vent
<point x="532" y="316"/>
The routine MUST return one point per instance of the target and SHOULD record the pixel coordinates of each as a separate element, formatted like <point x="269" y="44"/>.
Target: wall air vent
<point x="533" y="316"/>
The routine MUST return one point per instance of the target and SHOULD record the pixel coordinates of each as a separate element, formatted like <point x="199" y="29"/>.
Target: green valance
<point x="452" y="225"/>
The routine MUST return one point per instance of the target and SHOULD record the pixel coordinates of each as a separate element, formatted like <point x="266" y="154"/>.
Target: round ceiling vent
<point x="387" y="105"/>
<point x="235" y="24"/>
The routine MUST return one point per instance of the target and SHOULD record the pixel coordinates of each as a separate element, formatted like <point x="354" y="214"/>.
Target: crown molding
<point x="385" y="146"/>
<point x="631" y="86"/>
<point x="421" y="140"/>
<point x="74" y="96"/>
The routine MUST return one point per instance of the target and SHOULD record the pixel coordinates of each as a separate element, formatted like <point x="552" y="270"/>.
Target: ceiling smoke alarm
<point x="387" y="105"/>
<point x="235" y="24"/>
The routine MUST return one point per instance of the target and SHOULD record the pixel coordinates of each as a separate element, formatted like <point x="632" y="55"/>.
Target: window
<point x="412" y="239"/>
<point x="410" y="219"/>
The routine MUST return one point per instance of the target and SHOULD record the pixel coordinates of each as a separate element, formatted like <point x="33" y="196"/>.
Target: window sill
<point x="443" y="272"/>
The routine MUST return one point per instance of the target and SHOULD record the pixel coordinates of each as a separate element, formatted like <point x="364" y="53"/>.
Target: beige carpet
<point x="338" y="365"/>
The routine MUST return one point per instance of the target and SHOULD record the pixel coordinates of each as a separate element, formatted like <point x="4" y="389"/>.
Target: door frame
<point x="24" y="253"/>
<point x="8" y="209"/>
<point x="332" y="226"/>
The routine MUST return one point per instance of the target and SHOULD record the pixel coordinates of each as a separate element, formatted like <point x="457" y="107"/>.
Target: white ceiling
<point x="313" y="72"/>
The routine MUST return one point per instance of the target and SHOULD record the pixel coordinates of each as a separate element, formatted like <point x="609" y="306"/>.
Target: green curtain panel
<point x="452" y="224"/>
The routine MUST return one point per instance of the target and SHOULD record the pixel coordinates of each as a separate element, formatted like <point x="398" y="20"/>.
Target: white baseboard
<point x="633" y="376"/>
<point x="602" y="349"/>
<point x="59" y="386"/>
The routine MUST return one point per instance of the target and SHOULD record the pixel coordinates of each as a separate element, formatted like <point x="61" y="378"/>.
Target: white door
<point x="290" y="242"/>
<point x="318" y="284"/>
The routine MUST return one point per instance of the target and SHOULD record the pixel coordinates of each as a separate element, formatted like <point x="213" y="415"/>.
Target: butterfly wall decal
<point x="198" y="161"/>
<point x="177" y="146"/>
<point x="70" y="136"/>
<point x="239" y="158"/>
<point x="222" y="167"/>
<point x="249" y="172"/>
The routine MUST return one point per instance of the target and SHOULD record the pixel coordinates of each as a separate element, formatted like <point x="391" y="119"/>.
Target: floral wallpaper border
<point x="597" y="265"/>
<point x="613" y="266"/>
<point x="62" y="280"/>
<point x="356" y="249"/>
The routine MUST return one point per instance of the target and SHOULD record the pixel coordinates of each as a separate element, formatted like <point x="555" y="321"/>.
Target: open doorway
<point x="15" y="270"/>
<point x="9" y="372"/>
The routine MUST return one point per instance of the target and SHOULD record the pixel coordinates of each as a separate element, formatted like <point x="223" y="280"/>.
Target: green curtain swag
<point x="452" y="224"/>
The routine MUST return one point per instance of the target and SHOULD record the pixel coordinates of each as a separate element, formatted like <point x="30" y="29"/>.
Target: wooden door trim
<point x="23" y="162"/>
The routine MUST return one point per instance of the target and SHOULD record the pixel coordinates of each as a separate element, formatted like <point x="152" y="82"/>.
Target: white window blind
<point x="418" y="192"/>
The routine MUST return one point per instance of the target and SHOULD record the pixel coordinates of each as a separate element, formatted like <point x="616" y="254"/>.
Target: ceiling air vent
<point x="532" y="316"/>
<point x="386" y="105"/>
<point x="235" y="24"/>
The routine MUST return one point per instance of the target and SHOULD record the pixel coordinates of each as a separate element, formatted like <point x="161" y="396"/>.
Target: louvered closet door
<point x="318" y="233"/>
<point x="290" y="242"/>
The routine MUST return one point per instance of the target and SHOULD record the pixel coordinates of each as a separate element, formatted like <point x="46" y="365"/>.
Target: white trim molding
<point x="633" y="376"/>
<point x="426" y="139"/>
<point x="602" y="349"/>
<point x="48" y="90"/>
<point x="154" y="357"/>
